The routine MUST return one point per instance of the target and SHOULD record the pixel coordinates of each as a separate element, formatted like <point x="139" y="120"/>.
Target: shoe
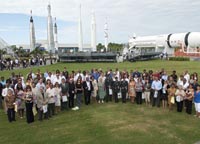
<point x="99" y="101"/>
<point x="74" y="108"/>
<point x="102" y="101"/>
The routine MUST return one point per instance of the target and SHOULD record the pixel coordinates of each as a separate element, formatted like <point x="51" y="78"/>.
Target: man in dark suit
<point x="88" y="88"/>
<point x="124" y="89"/>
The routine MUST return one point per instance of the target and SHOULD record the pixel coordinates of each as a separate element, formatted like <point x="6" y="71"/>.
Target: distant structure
<point x="106" y="35"/>
<point x="50" y="37"/>
<point x="80" y="33"/>
<point x="56" y="35"/>
<point x="93" y="32"/>
<point x="32" y="34"/>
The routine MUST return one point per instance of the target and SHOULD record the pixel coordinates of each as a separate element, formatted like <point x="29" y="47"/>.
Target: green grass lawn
<point x="169" y="66"/>
<point x="107" y="123"/>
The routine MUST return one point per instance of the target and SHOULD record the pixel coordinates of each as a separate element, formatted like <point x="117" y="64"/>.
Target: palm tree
<point x="2" y="52"/>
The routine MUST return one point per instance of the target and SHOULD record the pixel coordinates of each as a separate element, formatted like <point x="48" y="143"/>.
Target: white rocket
<point x="50" y="37"/>
<point x="106" y="35"/>
<point x="189" y="42"/>
<point x="80" y="34"/>
<point x="56" y="35"/>
<point x="32" y="34"/>
<point x="93" y="32"/>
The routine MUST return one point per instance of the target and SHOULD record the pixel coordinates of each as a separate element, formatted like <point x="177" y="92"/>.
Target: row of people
<point x="50" y="94"/>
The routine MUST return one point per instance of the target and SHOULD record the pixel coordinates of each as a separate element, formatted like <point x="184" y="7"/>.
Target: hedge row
<point x="179" y="59"/>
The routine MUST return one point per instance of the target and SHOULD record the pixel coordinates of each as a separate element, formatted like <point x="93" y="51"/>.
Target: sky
<point x="124" y="18"/>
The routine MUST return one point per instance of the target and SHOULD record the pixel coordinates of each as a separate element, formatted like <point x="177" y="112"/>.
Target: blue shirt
<point x="197" y="97"/>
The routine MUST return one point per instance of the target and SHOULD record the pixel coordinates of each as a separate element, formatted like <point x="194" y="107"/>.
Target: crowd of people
<point x="46" y="94"/>
<point x="10" y="64"/>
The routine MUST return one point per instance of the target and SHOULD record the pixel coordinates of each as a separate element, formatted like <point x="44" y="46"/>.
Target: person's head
<point x="19" y="87"/>
<point x="48" y="81"/>
<point x="63" y="80"/>
<point x="2" y="78"/>
<point x="33" y="84"/>
<point x="56" y="84"/>
<point x="198" y="87"/>
<point x="28" y="88"/>
<point x="71" y="80"/>
<point x="51" y="85"/>
<point x="19" y="80"/>
<point x="40" y="81"/>
<point x="10" y="92"/>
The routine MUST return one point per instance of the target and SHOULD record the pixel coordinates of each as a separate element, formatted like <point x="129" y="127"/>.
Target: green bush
<point x="179" y="59"/>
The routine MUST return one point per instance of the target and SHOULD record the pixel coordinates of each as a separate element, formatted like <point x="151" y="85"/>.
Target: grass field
<point x="169" y="66"/>
<point x="108" y="123"/>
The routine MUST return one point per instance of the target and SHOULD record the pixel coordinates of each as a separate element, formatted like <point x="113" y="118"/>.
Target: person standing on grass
<point x="88" y="88"/>
<point x="180" y="94"/>
<point x="29" y="104"/>
<point x="139" y="89"/>
<point x="108" y="86"/>
<point x="188" y="99"/>
<point x="57" y="92"/>
<point x="197" y="101"/>
<point x="71" y="92"/>
<point x="147" y="89"/>
<point x="20" y="100"/>
<point x="171" y="95"/>
<point x="42" y="102"/>
<point x="79" y="92"/>
<point x="64" y="93"/>
<point x="124" y="89"/>
<point x="156" y="87"/>
<point x="95" y="90"/>
<point x="10" y="101"/>
<point x="116" y="89"/>
<point x="51" y="100"/>
<point x="101" y="90"/>
<point x="131" y="90"/>
<point x="164" y="95"/>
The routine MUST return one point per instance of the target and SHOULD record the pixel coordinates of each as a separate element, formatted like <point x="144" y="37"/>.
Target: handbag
<point x="172" y="100"/>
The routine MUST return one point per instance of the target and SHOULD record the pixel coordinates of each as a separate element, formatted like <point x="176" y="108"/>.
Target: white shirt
<point x="88" y="85"/>
<point x="156" y="85"/>
<point x="50" y="93"/>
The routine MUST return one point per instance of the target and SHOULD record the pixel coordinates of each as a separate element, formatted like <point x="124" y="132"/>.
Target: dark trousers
<point x="40" y="115"/>
<point x="87" y="95"/>
<point x="116" y="97"/>
<point x="78" y="99"/>
<point x="124" y="97"/>
<point x="139" y="97"/>
<point x="107" y="95"/>
<point x="11" y="114"/>
<point x="156" y="101"/>
<point x="71" y="100"/>
<point x="1" y="102"/>
<point x="179" y="106"/>
<point x="188" y="105"/>
<point x="29" y="113"/>
<point x="51" y="109"/>
<point x="63" y="106"/>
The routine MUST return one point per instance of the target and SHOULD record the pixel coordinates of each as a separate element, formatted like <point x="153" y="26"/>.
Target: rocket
<point x="56" y="35"/>
<point x="93" y="32"/>
<point x="189" y="42"/>
<point x="80" y="33"/>
<point x="50" y="37"/>
<point x="32" y="34"/>
<point x="106" y="35"/>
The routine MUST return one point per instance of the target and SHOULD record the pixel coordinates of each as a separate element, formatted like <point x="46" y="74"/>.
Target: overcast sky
<point x="125" y="17"/>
